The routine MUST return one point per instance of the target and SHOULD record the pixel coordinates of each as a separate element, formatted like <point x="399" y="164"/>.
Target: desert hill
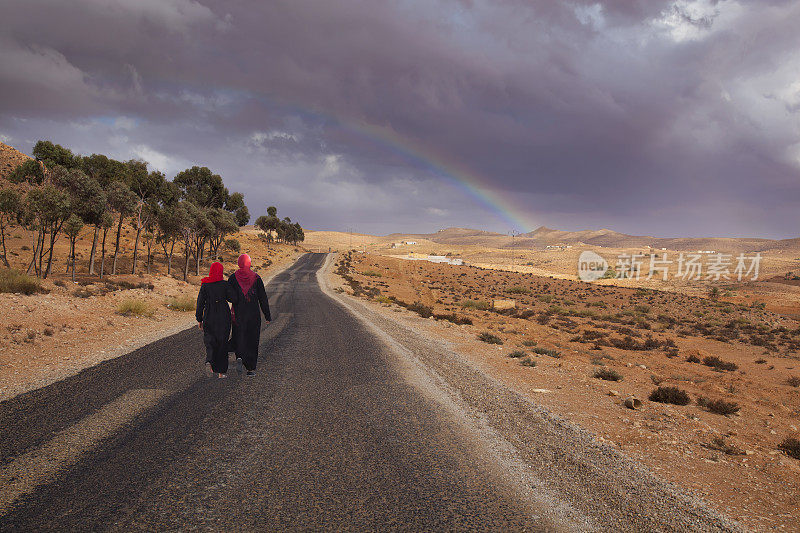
<point x="542" y="237"/>
<point x="10" y="158"/>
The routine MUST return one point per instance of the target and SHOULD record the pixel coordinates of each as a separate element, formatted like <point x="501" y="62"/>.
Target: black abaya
<point x="247" y="329"/>
<point x="214" y="313"/>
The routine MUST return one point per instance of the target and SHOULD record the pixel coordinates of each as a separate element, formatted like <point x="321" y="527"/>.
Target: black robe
<point x="214" y="313"/>
<point x="247" y="329"/>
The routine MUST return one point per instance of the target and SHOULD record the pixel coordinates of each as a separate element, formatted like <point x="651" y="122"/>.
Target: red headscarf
<point x="244" y="275"/>
<point x="215" y="274"/>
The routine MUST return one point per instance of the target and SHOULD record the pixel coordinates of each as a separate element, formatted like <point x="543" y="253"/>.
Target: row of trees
<point x="283" y="230"/>
<point x="61" y="192"/>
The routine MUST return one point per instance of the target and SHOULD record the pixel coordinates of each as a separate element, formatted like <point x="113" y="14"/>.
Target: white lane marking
<point x="36" y="467"/>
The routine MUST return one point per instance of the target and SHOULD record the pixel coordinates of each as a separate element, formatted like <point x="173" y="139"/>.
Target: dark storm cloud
<point x="666" y="117"/>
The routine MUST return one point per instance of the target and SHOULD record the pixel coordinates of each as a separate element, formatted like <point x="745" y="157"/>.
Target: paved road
<point x="328" y="435"/>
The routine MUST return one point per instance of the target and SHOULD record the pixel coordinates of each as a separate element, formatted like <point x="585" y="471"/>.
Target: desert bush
<point x="718" y="364"/>
<point x="516" y="354"/>
<point x="719" y="407"/>
<point x="233" y="245"/>
<point x="421" y="309"/>
<point x="547" y="351"/>
<point x="476" y="304"/>
<point x="693" y="359"/>
<point x="794" y="381"/>
<point x="608" y="374"/>
<point x="454" y="318"/>
<point x="18" y="282"/>
<point x="383" y="299"/>
<point x="83" y="292"/>
<point x="791" y="447"/>
<point x="182" y="303"/>
<point x="642" y="308"/>
<point x="518" y="290"/>
<point x="672" y="395"/>
<point x="372" y="274"/>
<point x="135" y="307"/>
<point x="527" y="361"/>
<point x="528" y="343"/>
<point x="48" y="332"/>
<point x="490" y="338"/>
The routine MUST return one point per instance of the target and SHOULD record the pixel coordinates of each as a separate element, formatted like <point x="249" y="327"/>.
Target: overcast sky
<point x="668" y="118"/>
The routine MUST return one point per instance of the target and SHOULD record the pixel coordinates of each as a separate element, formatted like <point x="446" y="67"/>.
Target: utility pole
<point x="513" y="234"/>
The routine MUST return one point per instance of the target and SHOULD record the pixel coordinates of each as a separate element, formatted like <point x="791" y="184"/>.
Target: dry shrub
<point x="182" y="303"/>
<point x="719" y="407"/>
<point x="608" y="374"/>
<point x="135" y="307"/>
<point x="672" y="395"/>
<point x="18" y="282"/>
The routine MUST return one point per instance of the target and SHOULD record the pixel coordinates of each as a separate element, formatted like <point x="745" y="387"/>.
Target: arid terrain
<point x="72" y="325"/>
<point x="582" y="349"/>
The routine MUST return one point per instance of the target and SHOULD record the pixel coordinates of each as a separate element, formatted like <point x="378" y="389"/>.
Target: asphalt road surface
<point x="332" y="433"/>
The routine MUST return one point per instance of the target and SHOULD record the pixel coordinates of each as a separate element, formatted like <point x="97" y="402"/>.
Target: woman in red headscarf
<point x="214" y="318"/>
<point x="251" y="302"/>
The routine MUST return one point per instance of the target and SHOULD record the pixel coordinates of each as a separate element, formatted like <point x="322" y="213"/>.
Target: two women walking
<point x="245" y="290"/>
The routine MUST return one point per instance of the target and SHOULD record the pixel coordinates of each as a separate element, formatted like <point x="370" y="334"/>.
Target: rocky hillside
<point x="10" y="158"/>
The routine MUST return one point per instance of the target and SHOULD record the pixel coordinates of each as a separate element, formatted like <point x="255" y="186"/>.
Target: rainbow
<point x="451" y="171"/>
<point x="454" y="173"/>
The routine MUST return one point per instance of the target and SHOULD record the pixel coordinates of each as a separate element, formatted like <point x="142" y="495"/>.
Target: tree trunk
<point x="72" y="253"/>
<point x="136" y="248"/>
<point x="116" y="248"/>
<point x="186" y="264"/>
<point x="169" y="261"/>
<point x="103" y="256"/>
<point x="34" y="240"/>
<point x="53" y="236"/>
<point x="94" y="250"/>
<point x="3" y="237"/>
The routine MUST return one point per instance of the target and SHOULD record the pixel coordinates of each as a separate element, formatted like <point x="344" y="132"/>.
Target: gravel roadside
<point x="594" y="480"/>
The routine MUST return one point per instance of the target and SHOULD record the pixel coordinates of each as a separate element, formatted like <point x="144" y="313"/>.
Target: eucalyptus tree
<point x="48" y="208"/>
<point x="104" y="170"/>
<point x="123" y="202"/>
<point x="223" y="223"/>
<point x="172" y="220"/>
<point x="72" y="227"/>
<point x="87" y="198"/>
<point x="148" y="187"/>
<point x="106" y="223"/>
<point x="10" y="206"/>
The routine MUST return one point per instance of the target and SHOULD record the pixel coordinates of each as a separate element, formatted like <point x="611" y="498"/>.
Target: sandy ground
<point x="732" y="461"/>
<point x="47" y="337"/>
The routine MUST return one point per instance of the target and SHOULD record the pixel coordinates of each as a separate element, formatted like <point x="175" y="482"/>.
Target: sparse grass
<point x="672" y="395"/>
<point x="791" y="447"/>
<point x="516" y="354"/>
<point x="135" y="307"/>
<point x="480" y="305"/>
<point x="608" y="374"/>
<point x="83" y="292"/>
<point x="183" y="303"/>
<point x="794" y="381"/>
<point x="518" y="290"/>
<point x="454" y="318"/>
<point x="383" y="299"/>
<point x="642" y="308"/>
<point x="372" y="274"/>
<point x="18" y="282"/>
<point x="528" y="343"/>
<point x="490" y="338"/>
<point x="421" y="309"/>
<point x="527" y="361"/>
<point x="718" y="364"/>
<point x="719" y="407"/>
<point x="693" y="359"/>
<point x="547" y="351"/>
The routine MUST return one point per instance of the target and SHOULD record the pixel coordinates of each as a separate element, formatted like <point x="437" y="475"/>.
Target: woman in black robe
<point x="214" y="318"/>
<point x="251" y="301"/>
